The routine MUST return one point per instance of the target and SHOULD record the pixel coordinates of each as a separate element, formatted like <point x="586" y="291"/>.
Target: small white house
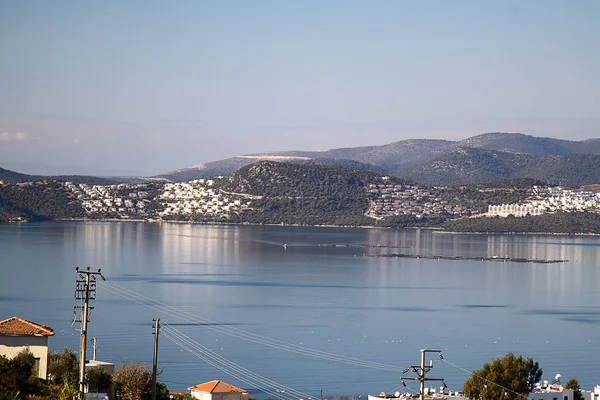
<point x="595" y="395"/>
<point x="18" y="334"/>
<point x="216" y="390"/>
<point x="551" y="391"/>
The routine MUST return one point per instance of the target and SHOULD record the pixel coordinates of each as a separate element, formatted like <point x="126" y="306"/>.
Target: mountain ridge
<point x="478" y="159"/>
<point x="413" y="157"/>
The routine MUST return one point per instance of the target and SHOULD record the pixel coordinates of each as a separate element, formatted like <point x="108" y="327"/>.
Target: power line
<point x="267" y="385"/>
<point x="233" y="369"/>
<point x="484" y="379"/>
<point x="249" y="336"/>
<point x="227" y="363"/>
<point x="245" y="335"/>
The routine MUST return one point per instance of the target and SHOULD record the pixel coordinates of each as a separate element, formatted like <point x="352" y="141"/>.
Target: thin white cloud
<point x="14" y="137"/>
<point x="75" y="140"/>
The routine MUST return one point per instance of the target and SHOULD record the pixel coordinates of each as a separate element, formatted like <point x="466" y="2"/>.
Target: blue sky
<point x="142" y="87"/>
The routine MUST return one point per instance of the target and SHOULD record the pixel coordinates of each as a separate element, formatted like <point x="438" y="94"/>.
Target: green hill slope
<point x="304" y="194"/>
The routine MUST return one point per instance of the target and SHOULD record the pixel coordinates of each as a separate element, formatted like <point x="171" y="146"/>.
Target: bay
<point x="234" y="288"/>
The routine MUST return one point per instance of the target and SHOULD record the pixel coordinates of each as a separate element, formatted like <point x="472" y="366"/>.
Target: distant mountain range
<point x="479" y="159"/>
<point x="9" y="176"/>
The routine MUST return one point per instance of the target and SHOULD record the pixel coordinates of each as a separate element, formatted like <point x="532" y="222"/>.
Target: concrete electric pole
<point x="155" y="358"/>
<point x="85" y="290"/>
<point x="422" y="370"/>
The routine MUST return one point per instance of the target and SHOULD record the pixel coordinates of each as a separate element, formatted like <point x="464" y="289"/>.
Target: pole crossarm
<point x="421" y="372"/>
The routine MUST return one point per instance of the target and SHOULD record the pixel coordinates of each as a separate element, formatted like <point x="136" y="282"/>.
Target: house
<point x="595" y="395"/>
<point x="216" y="390"/>
<point x="18" y="334"/>
<point x="551" y="391"/>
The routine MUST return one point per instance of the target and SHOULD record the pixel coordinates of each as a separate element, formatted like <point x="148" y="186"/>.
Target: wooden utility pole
<point x="422" y="370"/>
<point x="155" y="358"/>
<point x="85" y="290"/>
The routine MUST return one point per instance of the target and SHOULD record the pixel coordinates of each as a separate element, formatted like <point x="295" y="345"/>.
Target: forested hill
<point x="475" y="160"/>
<point x="304" y="194"/>
<point x="471" y="166"/>
<point x="269" y="192"/>
<point x="9" y="176"/>
<point x="270" y="178"/>
<point x="41" y="200"/>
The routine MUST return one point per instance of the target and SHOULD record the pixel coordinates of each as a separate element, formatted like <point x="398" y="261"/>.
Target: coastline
<point x="436" y="230"/>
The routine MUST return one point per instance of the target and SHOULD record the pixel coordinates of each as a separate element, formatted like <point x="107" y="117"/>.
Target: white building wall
<point x="201" y="395"/>
<point x="566" y="394"/>
<point x="10" y="346"/>
<point x="216" y="396"/>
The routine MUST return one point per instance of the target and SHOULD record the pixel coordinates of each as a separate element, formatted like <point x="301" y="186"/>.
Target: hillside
<point x="269" y="192"/>
<point x="519" y="143"/>
<point x="469" y="166"/>
<point x="466" y="166"/>
<point x="231" y="165"/>
<point x="9" y="176"/>
<point x="401" y="153"/>
<point x="478" y="159"/>
<point x="568" y="169"/>
<point x="40" y="200"/>
<point x="304" y="194"/>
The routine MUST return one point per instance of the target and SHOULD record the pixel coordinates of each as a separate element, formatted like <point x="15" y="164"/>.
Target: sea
<point x="303" y="312"/>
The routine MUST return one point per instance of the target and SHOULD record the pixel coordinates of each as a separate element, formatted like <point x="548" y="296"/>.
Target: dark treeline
<point x="563" y="222"/>
<point x="41" y="200"/>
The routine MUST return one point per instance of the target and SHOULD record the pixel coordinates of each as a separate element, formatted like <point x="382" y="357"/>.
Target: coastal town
<point x="204" y="197"/>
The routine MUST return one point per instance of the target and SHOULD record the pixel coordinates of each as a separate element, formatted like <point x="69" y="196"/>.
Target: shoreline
<point x="436" y="230"/>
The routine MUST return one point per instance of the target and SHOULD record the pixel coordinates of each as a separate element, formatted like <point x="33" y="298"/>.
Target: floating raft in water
<point x="378" y="245"/>
<point x="460" y="258"/>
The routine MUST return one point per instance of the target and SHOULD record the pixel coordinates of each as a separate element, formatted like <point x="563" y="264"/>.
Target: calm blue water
<point x="331" y="299"/>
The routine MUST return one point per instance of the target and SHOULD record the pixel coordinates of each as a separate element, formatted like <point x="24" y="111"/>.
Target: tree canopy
<point x="509" y="377"/>
<point x="63" y="368"/>
<point x="133" y="381"/>
<point x="574" y="384"/>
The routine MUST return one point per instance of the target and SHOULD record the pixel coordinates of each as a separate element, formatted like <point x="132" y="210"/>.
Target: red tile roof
<point x="16" y="326"/>
<point x="216" y="387"/>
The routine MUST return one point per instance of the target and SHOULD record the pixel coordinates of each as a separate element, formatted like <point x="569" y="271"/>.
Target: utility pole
<point x="422" y="370"/>
<point x="155" y="358"/>
<point x="94" y="344"/>
<point x="85" y="290"/>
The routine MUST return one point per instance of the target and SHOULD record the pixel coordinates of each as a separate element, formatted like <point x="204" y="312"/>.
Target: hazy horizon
<point x="145" y="87"/>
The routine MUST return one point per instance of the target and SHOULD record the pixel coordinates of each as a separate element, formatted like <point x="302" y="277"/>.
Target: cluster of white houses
<point x="518" y="210"/>
<point x="202" y="196"/>
<point x="107" y="200"/>
<point x="549" y="200"/>
<point x="199" y="197"/>
<point x="389" y="200"/>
